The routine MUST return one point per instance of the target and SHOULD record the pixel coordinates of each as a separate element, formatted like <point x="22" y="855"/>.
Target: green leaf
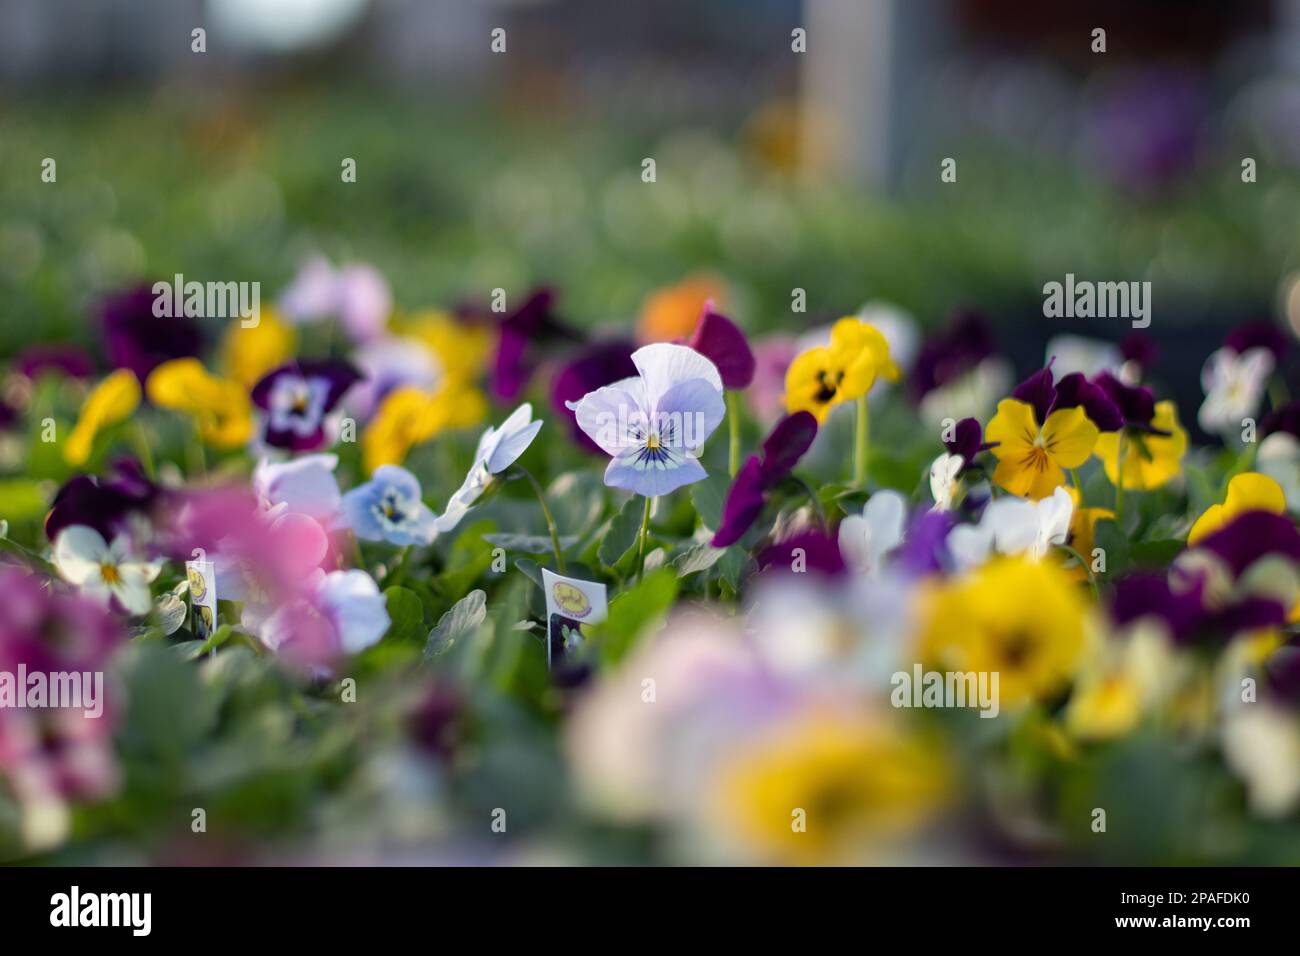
<point x="708" y="497"/>
<point x="1108" y="536"/>
<point x="698" y="557"/>
<point x="577" y="500"/>
<point x="464" y="618"/>
<point x="634" y="612"/>
<point x="22" y="500"/>
<point x="170" y="611"/>
<point x="406" y="611"/>
<point x="528" y="543"/>
<point x="1160" y="553"/>
<point x="623" y="531"/>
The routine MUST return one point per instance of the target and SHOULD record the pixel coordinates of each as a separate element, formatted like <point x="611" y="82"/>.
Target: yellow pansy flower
<point x="1083" y="530"/>
<point x="409" y="415"/>
<point x="461" y="350"/>
<point x="1031" y="460"/>
<point x="111" y="401"/>
<point x="825" y="788"/>
<point x="219" y="406"/>
<point x="1125" y="680"/>
<point x="249" y="353"/>
<point x="1024" y="619"/>
<point x="1149" y="460"/>
<point x="843" y="371"/>
<point x="1249" y="491"/>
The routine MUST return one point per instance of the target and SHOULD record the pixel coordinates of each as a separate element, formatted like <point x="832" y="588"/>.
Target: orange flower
<point x="673" y="311"/>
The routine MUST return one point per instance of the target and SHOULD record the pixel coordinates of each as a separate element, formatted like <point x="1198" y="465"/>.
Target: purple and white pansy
<point x="653" y="425"/>
<point x="297" y="402"/>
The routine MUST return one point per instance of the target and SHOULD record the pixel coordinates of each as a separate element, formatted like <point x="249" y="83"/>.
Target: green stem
<point x="645" y="533"/>
<point x="546" y="513"/>
<point x="141" y="441"/>
<point x="733" y="423"/>
<point x="29" y="556"/>
<point x="1119" y="483"/>
<point x="861" y="444"/>
<point x="812" y="498"/>
<point x="198" y="460"/>
<point x="395" y="576"/>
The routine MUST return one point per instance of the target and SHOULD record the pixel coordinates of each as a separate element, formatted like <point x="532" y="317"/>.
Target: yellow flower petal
<point x="220" y="407"/>
<point x="1069" y="437"/>
<point x="1153" y="462"/>
<point x="1249" y="491"/>
<point x="811" y="385"/>
<point x="247" y="354"/>
<point x="1014" y="428"/>
<point x="111" y="401"/>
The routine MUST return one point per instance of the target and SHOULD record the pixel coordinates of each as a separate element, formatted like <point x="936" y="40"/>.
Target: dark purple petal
<point x="1140" y="349"/>
<point x="951" y="353"/>
<point x="596" y="366"/>
<point x="719" y="340"/>
<point x="1251" y="535"/>
<point x="789" y="440"/>
<point x="1282" y="670"/>
<point x="1148" y="594"/>
<point x="1251" y="613"/>
<point x="1259" y="334"/>
<point x="808" y="551"/>
<point x="1285" y="418"/>
<point x="136" y="339"/>
<point x="339" y="374"/>
<point x="967" y="441"/>
<point x="1136" y="403"/>
<point x="1075" y="390"/>
<point x="70" y="360"/>
<point x="522" y="331"/>
<point x="102" y="504"/>
<point x="1038" y="391"/>
<point x="743" y="505"/>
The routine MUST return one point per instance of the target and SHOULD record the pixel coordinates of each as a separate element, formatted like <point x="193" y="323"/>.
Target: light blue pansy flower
<point x="388" y="508"/>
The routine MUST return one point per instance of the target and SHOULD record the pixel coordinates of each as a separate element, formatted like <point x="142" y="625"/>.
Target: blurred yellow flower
<point x="461" y="349"/>
<point x="1024" y="619"/>
<point x="111" y="401"/>
<point x="673" y="311"/>
<point x="220" y="407"/>
<point x="1249" y="491"/>
<point x="247" y="354"/>
<point x="843" y="371"/>
<point x="1126" y="679"/>
<point x="1031" y="460"/>
<point x="1083" y="530"/>
<point x="826" y="788"/>
<point x="1149" y="460"/>
<point x="409" y="416"/>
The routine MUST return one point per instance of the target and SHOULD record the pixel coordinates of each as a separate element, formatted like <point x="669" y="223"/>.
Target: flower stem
<point x="1119" y="483"/>
<point x="861" y="444"/>
<point x="395" y="576"/>
<point x="141" y="442"/>
<point x="733" y="423"/>
<point x="645" y="533"/>
<point x="546" y="513"/>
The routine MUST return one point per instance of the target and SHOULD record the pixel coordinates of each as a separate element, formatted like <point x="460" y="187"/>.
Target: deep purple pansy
<point x="1072" y="391"/>
<point x="521" y="333"/>
<point x="1136" y="403"/>
<point x="296" y="400"/>
<point x="1284" y="418"/>
<point x="1250" y="536"/>
<point x="1139" y="350"/>
<point x="951" y="352"/>
<point x="719" y="340"/>
<point x="1257" y="334"/>
<point x="782" y="449"/>
<point x="70" y="360"/>
<point x="967" y="441"/>
<point x="594" y="367"/>
<point x="102" y="503"/>
<point x="136" y="339"/>
<point x="810" y="550"/>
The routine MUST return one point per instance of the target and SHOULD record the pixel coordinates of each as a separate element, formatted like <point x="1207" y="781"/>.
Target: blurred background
<point x="775" y="169"/>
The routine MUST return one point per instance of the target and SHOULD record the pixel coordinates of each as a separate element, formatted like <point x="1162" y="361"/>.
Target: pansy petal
<point x="688" y="413"/>
<point x="635" y="472"/>
<point x="1069" y="437"/>
<point x="609" y="416"/>
<point x="1013" y="429"/>
<point x="512" y="445"/>
<point x="663" y="365"/>
<point x="78" y="553"/>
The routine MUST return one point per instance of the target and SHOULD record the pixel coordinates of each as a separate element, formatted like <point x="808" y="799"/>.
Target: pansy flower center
<point x="109" y="573"/>
<point x="828" y="384"/>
